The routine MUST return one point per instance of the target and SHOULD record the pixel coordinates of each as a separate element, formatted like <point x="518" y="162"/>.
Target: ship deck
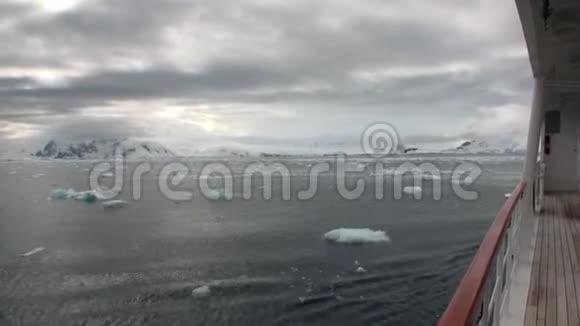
<point x="554" y="292"/>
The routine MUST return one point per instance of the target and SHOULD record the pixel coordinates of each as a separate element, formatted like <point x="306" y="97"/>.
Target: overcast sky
<point x="261" y="73"/>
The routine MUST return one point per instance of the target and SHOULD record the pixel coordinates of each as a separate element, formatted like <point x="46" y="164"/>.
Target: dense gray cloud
<point x="254" y="71"/>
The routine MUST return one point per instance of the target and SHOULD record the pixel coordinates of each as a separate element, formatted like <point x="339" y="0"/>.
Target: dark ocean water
<point x="264" y="261"/>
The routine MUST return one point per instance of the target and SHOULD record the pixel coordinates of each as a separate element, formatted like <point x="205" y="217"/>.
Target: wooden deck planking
<point x="554" y="294"/>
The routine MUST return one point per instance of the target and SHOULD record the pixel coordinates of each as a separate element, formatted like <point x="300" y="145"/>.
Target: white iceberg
<point x="412" y="190"/>
<point x="114" y="204"/>
<point x="356" y="236"/>
<point x="201" y="292"/>
<point x="361" y="269"/>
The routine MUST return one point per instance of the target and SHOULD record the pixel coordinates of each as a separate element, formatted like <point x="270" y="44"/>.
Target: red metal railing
<point x="480" y="294"/>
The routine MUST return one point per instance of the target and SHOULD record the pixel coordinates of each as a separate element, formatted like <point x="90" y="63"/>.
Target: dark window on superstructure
<point x="553" y="122"/>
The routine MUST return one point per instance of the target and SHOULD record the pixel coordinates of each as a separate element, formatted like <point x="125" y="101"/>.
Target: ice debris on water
<point x="201" y="292"/>
<point x="433" y="177"/>
<point x="356" y="236"/>
<point x="88" y="196"/>
<point x="412" y="190"/>
<point x="33" y="251"/>
<point x="216" y="195"/>
<point x="110" y="204"/>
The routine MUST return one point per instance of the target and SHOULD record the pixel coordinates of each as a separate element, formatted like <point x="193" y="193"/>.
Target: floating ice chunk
<point x="361" y="269"/>
<point x="356" y="236"/>
<point x="216" y="195"/>
<point x="114" y="204"/>
<point x="412" y="190"/>
<point x="201" y="292"/>
<point x="88" y="196"/>
<point x="38" y="176"/>
<point x="33" y="252"/>
<point x="430" y="177"/>
<point x="60" y="193"/>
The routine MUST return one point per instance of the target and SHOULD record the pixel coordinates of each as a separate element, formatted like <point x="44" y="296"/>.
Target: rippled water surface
<point x="262" y="262"/>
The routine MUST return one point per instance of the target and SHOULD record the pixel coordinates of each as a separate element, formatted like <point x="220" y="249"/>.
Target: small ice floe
<point x="216" y="195"/>
<point x="201" y="292"/>
<point x="361" y="270"/>
<point x="411" y="190"/>
<point x="37" y="176"/>
<point x="110" y="204"/>
<point x="356" y="236"/>
<point x="430" y="177"/>
<point x="88" y="196"/>
<point x="508" y="195"/>
<point x="33" y="251"/>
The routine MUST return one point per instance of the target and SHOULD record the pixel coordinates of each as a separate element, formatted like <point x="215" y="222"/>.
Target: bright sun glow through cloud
<point x="56" y="6"/>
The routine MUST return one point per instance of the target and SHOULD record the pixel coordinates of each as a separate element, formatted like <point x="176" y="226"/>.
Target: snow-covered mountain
<point x="486" y="147"/>
<point x="225" y="151"/>
<point x="103" y="149"/>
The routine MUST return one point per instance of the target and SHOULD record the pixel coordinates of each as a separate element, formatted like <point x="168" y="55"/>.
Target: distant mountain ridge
<point x="486" y="147"/>
<point x="102" y="149"/>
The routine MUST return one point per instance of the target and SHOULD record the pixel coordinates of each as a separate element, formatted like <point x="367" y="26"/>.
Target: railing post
<point x="535" y="126"/>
